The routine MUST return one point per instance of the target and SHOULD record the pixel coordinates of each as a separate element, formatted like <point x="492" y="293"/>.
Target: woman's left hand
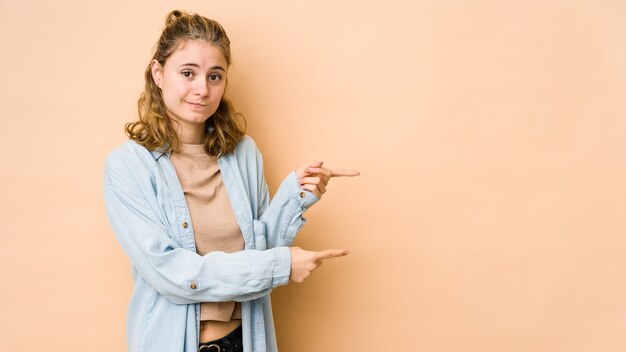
<point x="314" y="178"/>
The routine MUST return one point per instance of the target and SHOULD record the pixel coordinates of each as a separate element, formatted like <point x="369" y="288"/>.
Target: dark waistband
<point x="230" y="343"/>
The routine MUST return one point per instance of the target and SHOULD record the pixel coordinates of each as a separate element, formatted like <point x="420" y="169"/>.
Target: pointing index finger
<point x="332" y="253"/>
<point x="344" y="172"/>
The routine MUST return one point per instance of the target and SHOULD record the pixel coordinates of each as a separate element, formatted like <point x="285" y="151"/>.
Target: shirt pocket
<point x="260" y="242"/>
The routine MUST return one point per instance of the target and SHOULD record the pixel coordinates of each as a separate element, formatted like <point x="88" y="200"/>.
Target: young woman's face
<point x="192" y="82"/>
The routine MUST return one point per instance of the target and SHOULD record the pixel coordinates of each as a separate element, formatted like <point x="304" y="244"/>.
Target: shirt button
<point x="302" y="194"/>
<point x="193" y="285"/>
<point x="185" y="224"/>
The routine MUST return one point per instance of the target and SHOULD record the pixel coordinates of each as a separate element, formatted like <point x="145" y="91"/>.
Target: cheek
<point x="219" y="92"/>
<point x="173" y="90"/>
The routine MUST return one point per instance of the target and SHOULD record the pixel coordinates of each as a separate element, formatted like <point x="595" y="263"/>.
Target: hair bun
<point x="174" y="16"/>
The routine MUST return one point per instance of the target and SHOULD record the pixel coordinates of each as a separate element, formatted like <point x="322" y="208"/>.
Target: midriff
<point x="212" y="330"/>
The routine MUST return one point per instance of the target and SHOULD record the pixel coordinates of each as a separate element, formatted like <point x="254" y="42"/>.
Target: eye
<point x="215" y="77"/>
<point x="187" y="73"/>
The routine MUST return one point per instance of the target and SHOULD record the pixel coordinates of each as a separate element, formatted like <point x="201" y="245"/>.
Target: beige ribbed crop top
<point x="214" y="225"/>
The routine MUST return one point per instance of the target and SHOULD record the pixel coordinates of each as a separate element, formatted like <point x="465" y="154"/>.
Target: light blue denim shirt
<point x="150" y="218"/>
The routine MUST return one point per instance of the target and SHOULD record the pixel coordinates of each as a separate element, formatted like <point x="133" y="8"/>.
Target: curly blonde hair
<point x="154" y="128"/>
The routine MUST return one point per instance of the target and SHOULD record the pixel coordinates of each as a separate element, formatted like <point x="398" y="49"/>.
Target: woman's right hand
<point x="304" y="262"/>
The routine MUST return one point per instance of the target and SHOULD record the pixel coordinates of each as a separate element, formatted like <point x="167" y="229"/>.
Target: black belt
<point x="232" y="342"/>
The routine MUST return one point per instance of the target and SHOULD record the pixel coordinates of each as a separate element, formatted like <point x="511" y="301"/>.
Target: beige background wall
<point x="490" y="136"/>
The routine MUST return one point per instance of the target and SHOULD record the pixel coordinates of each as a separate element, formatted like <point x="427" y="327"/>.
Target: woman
<point x="188" y="202"/>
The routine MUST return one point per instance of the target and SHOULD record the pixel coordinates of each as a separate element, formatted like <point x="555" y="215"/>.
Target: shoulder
<point x="247" y="149"/>
<point x="128" y="152"/>
<point x="246" y="157"/>
<point x="246" y="144"/>
<point x="128" y="161"/>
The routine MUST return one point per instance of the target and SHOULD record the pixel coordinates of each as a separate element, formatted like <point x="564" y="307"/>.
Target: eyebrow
<point x="198" y="66"/>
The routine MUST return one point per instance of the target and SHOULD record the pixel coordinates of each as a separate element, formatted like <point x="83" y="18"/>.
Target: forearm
<point x="283" y="216"/>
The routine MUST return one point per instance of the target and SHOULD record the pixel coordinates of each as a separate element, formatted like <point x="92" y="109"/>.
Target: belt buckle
<point x="208" y="348"/>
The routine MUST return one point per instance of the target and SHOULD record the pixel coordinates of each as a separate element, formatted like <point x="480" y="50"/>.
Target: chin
<point x="197" y="119"/>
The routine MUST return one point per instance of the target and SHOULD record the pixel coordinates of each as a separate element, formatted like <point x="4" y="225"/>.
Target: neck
<point x="195" y="136"/>
<point x="191" y="133"/>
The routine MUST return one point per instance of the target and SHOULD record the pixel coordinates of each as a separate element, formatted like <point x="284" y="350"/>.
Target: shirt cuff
<point x="282" y="266"/>
<point x="303" y="197"/>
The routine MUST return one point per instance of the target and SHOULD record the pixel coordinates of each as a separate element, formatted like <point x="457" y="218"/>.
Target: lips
<point x="197" y="106"/>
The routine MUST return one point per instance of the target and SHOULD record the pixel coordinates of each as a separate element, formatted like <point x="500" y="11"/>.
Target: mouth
<point x="196" y="105"/>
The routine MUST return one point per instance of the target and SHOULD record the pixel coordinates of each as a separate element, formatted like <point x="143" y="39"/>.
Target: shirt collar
<point x="159" y="152"/>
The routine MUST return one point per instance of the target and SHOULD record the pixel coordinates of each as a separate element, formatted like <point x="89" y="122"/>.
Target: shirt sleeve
<point x="181" y="275"/>
<point x="283" y="215"/>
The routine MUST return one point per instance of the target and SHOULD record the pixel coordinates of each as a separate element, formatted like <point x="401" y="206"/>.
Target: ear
<point x="157" y="72"/>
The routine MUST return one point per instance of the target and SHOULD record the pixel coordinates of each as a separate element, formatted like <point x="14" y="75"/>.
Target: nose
<point x="201" y="87"/>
